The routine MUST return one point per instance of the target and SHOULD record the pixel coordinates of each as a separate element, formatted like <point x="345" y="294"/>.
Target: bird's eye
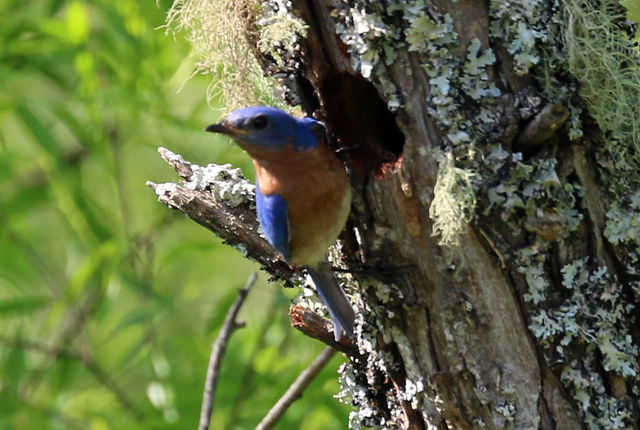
<point x="259" y="122"/>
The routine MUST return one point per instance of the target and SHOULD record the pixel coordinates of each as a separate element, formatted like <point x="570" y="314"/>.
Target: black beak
<point x="218" y="128"/>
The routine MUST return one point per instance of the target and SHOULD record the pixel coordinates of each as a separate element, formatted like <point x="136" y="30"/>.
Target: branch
<point x="219" y="198"/>
<point x="313" y="325"/>
<point x="217" y="352"/>
<point x="245" y="384"/>
<point x="294" y="392"/>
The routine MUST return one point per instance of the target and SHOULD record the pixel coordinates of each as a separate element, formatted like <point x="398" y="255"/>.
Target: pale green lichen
<point x="534" y="190"/>
<point x="454" y="202"/>
<point x="279" y="33"/>
<point x="594" y="316"/>
<point x="600" y="410"/>
<point x="596" y="313"/>
<point x="367" y="29"/>
<point x="623" y="229"/>
<point x="356" y="387"/>
<point x="166" y="188"/>
<point x="412" y="390"/>
<point x="507" y="410"/>
<point x="224" y="182"/>
<point x="521" y="25"/>
<point x="476" y="66"/>
<point x="426" y="33"/>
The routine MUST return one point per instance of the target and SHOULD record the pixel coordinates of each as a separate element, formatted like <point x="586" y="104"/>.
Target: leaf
<point x="14" y="369"/>
<point x="91" y="268"/>
<point x="40" y="132"/>
<point x="22" y="305"/>
<point x="77" y="22"/>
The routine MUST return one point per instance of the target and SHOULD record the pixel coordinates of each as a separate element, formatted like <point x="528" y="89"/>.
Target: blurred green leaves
<point x="633" y="13"/>
<point x="109" y="301"/>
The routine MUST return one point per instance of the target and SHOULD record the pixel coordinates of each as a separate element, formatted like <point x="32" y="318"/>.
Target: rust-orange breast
<point x="315" y="187"/>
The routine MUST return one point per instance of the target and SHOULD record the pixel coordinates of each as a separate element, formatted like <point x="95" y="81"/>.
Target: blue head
<point x="267" y="128"/>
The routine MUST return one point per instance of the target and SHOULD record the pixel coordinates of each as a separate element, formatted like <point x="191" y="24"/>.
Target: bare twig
<point x="295" y="390"/>
<point x="313" y="325"/>
<point x="229" y="325"/>
<point x="245" y="386"/>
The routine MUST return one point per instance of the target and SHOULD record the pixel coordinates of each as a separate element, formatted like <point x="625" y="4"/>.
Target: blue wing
<point x="272" y="214"/>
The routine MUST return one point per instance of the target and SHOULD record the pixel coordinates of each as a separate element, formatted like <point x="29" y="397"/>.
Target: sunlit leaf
<point x="77" y="22"/>
<point x="22" y="305"/>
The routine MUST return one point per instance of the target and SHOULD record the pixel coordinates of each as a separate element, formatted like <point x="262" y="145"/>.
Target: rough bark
<point x="526" y="318"/>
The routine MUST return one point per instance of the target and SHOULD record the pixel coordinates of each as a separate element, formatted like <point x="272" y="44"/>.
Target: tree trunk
<point x="494" y="240"/>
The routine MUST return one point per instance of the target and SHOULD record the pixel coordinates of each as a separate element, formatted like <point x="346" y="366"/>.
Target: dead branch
<point x="313" y="325"/>
<point x="221" y="199"/>
<point x="217" y="352"/>
<point x="295" y="390"/>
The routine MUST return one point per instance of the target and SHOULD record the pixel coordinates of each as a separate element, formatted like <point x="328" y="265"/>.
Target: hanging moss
<point x="218" y="33"/>
<point x="600" y="55"/>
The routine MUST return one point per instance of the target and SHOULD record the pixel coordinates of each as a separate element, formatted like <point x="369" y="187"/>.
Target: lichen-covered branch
<point x="219" y="198"/>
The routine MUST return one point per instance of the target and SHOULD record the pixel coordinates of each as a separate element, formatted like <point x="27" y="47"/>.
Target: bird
<point x="303" y="195"/>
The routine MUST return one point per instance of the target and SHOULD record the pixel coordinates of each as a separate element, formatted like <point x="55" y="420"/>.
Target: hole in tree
<point x="364" y="127"/>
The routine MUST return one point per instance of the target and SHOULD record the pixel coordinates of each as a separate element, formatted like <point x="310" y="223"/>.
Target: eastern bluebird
<point x="303" y="195"/>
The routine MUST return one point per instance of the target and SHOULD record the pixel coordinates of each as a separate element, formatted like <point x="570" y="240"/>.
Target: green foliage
<point x="108" y="300"/>
<point x="633" y="13"/>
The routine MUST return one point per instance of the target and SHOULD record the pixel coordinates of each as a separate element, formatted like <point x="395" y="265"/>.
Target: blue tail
<point x="335" y="300"/>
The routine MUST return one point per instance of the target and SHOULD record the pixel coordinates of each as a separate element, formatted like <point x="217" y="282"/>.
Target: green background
<point x="109" y="301"/>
